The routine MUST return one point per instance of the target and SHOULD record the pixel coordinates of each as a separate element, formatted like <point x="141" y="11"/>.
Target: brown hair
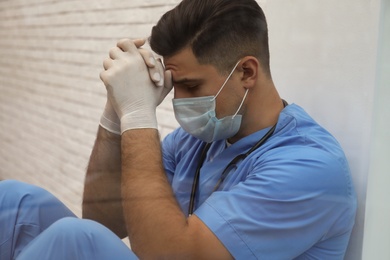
<point x="220" y="32"/>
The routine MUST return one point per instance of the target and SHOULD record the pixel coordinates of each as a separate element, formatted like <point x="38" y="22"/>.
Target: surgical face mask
<point x="197" y="117"/>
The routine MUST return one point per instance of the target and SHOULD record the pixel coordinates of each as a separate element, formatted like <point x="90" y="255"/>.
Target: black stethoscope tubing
<point x="195" y="183"/>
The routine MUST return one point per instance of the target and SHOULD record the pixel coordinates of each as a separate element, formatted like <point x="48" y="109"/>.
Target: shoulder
<point x="179" y="138"/>
<point x="297" y="130"/>
<point x="300" y="152"/>
<point x="179" y="143"/>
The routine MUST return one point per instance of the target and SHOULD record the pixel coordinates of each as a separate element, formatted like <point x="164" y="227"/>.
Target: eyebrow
<point x="185" y="81"/>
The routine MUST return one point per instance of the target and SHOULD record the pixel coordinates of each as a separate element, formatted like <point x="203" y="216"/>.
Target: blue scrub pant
<point x="36" y="225"/>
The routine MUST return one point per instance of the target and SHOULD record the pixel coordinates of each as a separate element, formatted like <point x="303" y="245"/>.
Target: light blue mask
<point x="197" y="117"/>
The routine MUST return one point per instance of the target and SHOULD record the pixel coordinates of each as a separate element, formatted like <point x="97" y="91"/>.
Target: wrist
<point x="109" y="125"/>
<point x="106" y="136"/>
<point x="109" y="119"/>
<point x="138" y="120"/>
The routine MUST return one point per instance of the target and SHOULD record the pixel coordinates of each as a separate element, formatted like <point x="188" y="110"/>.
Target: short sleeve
<point x="288" y="202"/>
<point x="168" y="152"/>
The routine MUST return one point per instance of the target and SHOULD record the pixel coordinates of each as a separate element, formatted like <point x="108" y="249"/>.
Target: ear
<point x="250" y="71"/>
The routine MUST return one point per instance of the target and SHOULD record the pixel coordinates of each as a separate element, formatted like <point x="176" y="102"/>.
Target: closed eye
<point x="187" y="83"/>
<point x="191" y="86"/>
<point x="188" y="86"/>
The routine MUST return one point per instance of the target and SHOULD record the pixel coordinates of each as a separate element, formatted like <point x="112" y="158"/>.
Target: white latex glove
<point x="109" y="119"/>
<point x="130" y="90"/>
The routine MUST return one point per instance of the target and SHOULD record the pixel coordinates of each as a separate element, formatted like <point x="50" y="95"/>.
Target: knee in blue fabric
<point x="26" y="210"/>
<point x="17" y="187"/>
<point x="72" y="238"/>
<point x="30" y="204"/>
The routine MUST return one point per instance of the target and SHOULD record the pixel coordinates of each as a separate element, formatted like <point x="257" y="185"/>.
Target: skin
<point x="126" y="188"/>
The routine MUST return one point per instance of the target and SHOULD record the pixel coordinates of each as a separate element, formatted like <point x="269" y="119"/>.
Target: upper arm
<point x="204" y="243"/>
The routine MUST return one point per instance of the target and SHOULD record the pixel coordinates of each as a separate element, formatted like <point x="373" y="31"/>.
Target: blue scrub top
<point x="292" y="198"/>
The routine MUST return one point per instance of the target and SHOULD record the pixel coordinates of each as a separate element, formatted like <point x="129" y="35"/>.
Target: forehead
<point x="185" y="65"/>
<point x="182" y="59"/>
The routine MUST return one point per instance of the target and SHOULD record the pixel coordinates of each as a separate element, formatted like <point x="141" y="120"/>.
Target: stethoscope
<point x="232" y="165"/>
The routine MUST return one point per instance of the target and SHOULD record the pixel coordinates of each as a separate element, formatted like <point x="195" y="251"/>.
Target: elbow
<point x="110" y="220"/>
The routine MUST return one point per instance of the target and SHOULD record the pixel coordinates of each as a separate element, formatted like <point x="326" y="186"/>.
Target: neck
<point x="262" y="110"/>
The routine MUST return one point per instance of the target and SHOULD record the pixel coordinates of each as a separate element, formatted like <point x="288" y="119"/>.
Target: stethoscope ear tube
<point x="196" y="178"/>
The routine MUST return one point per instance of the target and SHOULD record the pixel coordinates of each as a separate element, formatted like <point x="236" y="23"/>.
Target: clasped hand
<point x="136" y="84"/>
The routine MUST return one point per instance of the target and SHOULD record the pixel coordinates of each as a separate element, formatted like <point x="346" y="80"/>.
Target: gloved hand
<point x="130" y="90"/>
<point x="109" y="119"/>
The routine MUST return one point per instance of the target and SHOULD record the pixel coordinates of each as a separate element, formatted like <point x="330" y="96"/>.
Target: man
<point x="247" y="176"/>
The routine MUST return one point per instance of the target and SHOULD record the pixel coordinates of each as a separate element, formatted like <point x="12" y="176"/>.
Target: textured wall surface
<point x="51" y="97"/>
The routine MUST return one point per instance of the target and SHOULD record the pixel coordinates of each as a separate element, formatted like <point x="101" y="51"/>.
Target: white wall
<point x="323" y="56"/>
<point x="377" y="224"/>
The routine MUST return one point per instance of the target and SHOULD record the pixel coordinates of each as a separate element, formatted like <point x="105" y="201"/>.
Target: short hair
<point x="219" y="32"/>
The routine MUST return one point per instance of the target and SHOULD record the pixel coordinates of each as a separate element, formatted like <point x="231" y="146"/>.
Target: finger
<point x="168" y="82"/>
<point x="160" y="70"/>
<point x="148" y="57"/>
<point x="122" y="42"/>
<point x="107" y="63"/>
<point x="103" y="77"/>
<point x="126" y="45"/>
<point x="115" y="53"/>
<point x="167" y="85"/>
<point x="139" y="42"/>
<point x="159" y="59"/>
<point x="156" y="76"/>
<point x="156" y="70"/>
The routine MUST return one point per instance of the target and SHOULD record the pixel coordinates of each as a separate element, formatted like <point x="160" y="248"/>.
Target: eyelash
<point x="190" y="87"/>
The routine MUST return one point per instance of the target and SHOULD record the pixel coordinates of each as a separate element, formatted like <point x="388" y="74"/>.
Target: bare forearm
<point x="154" y="219"/>
<point x="102" y="195"/>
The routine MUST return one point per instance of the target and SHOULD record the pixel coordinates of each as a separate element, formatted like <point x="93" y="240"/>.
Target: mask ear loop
<point x="223" y="85"/>
<point x="242" y="102"/>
